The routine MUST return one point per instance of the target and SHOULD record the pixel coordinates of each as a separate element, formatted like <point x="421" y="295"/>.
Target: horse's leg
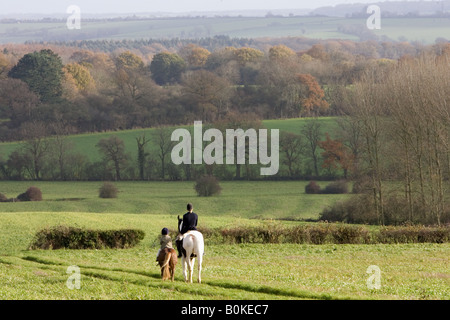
<point x="184" y="262"/>
<point x="191" y="268"/>
<point x="200" y="260"/>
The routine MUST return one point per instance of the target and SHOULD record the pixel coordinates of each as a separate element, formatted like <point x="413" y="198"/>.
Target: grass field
<point x="424" y="30"/>
<point x="244" y="199"/>
<point x="85" y="143"/>
<point x="245" y="271"/>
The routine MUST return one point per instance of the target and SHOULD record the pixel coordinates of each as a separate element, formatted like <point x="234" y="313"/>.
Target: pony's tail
<point x="165" y="266"/>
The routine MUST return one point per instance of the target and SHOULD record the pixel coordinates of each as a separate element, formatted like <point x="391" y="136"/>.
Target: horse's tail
<point x="165" y="266"/>
<point x="197" y="243"/>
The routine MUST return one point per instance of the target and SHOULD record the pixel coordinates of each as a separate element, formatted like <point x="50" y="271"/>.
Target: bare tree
<point x="404" y="118"/>
<point x="60" y="145"/>
<point x="113" y="150"/>
<point x="142" y="155"/>
<point x="350" y="133"/>
<point x="162" y="137"/>
<point x="369" y="112"/>
<point x="36" y="146"/>
<point x="311" y="132"/>
<point x="292" y="146"/>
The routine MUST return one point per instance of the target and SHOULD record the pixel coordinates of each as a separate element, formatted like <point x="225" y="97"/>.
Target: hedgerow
<point x="323" y="233"/>
<point x="64" y="237"/>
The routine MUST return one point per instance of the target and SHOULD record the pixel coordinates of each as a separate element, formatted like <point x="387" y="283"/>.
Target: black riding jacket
<point x="189" y="222"/>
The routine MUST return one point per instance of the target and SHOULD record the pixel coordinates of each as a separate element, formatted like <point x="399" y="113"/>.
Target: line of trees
<point x="303" y="155"/>
<point x="393" y="125"/>
<point x="97" y="91"/>
<point x="399" y="119"/>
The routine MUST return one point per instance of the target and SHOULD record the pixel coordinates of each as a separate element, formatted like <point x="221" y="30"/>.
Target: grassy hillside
<point x="85" y="143"/>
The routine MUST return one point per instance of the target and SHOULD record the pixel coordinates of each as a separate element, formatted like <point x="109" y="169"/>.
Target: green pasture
<point x="86" y="143"/>
<point x="240" y="271"/>
<point x="424" y="30"/>
<point x="244" y="199"/>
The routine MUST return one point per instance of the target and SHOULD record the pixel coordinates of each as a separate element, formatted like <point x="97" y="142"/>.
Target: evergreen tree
<point x="43" y="72"/>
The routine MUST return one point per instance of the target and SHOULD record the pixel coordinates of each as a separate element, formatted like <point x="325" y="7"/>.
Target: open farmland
<point x="230" y="271"/>
<point x="424" y="30"/>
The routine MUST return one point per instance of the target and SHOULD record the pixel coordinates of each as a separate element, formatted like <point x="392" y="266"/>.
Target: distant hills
<point x="388" y="9"/>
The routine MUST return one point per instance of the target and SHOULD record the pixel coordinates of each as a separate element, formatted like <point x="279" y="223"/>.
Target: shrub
<point x="32" y="194"/>
<point x="108" y="191"/>
<point x="414" y="234"/>
<point x="239" y="235"/>
<point x="337" y="187"/>
<point x="207" y="186"/>
<point x="349" y="234"/>
<point x="312" y="188"/>
<point x="362" y="185"/>
<point x="3" y="198"/>
<point x="318" y="233"/>
<point x="299" y="234"/>
<point x="357" y="209"/>
<point x="64" y="237"/>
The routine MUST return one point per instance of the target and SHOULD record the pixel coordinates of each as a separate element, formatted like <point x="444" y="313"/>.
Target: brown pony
<point x="167" y="260"/>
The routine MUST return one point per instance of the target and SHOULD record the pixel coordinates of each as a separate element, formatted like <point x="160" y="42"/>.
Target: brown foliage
<point x="336" y="155"/>
<point x="314" y="100"/>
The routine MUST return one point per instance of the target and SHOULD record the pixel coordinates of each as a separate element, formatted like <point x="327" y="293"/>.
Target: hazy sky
<point x="119" y="6"/>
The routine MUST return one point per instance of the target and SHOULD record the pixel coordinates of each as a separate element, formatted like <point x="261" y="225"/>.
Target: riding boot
<point x="179" y="247"/>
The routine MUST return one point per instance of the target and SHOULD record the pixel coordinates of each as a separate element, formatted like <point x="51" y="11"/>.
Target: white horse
<point x="193" y="245"/>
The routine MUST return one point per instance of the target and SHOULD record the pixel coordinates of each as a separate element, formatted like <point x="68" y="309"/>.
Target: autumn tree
<point x="129" y="76"/>
<point x="223" y="64"/>
<point x="4" y="66"/>
<point x="82" y="77"/>
<point x="207" y="93"/>
<point x="17" y="102"/>
<point x="312" y="96"/>
<point x="100" y="66"/>
<point x="318" y="51"/>
<point x="280" y="52"/>
<point x="194" y="56"/>
<point x="280" y="87"/>
<point x="247" y="55"/>
<point x="70" y="91"/>
<point x="128" y="60"/>
<point x="336" y="155"/>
